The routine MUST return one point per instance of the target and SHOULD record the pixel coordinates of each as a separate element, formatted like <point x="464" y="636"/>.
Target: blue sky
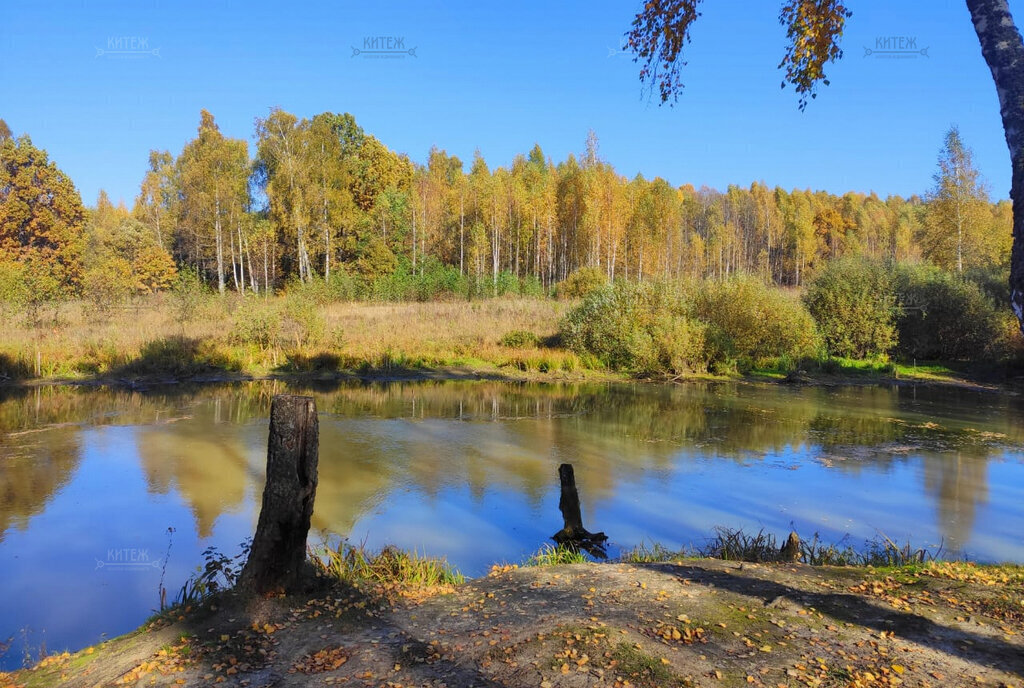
<point x="500" y="78"/>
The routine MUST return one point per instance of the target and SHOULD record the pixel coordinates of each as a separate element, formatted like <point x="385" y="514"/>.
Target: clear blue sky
<point x="501" y="77"/>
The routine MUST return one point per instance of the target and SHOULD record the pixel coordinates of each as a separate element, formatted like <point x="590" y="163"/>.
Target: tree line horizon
<point x="323" y="196"/>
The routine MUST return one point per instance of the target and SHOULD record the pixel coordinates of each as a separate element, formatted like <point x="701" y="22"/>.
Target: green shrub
<point x="388" y="287"/>
<point x="531" y="286"/>
<point x="303" y="324"/>
<point x="437" y="281"/>
<point x="315" y="290"/>
<point x="342" y="286"/>
<point x="581" y="282"/>
<point x="519" y="339"/>
<point x="108" y="284"/>
<point x="374" y="259"/>
<point x="608" y="324"/>
<point x="655" y="328"/>
<point x="751" y="322"/>
<point x="506" y="284"/>
<point x="943" y="316"/>
<point x="853" y="300"/>
<point x="678" y="344"/>
<point x="643" y="328"/>
<point x="14" y="292"/>
<point x="430" y="281"/>
<point x="31" y="289"/>
<point x="187" y="295"/>
<point x="257" y="323"/>
<point x="994" y="282"/>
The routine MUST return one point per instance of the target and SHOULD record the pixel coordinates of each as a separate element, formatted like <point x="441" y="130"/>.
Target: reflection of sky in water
<point x="60" y="579"/>
<point x="468" y="472"/>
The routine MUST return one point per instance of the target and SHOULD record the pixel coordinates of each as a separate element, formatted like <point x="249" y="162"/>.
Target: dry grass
<point x="76" y="342"/>
<point x="446" y="330"/>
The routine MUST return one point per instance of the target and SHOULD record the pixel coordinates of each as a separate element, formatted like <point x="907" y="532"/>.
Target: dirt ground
<point x="698" y="622"/>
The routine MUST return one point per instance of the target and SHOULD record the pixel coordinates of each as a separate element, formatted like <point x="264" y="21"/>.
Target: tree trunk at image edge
<point x="1003" y="50"/>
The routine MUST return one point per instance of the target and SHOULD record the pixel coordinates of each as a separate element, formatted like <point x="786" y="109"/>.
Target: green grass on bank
<point x="514" y="337"/>
<point x="355" y="564"/>
<point x="732" y="544"/>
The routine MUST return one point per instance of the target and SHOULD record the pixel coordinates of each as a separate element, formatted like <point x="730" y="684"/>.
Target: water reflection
<point x="32" y="473"/>
<point x="468" y="469"/>
<point x="206" y="444"/>
<point x="210" y="468"/>
<point x="959" y="484"/>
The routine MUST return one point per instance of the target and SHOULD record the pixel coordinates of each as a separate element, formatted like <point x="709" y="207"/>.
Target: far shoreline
<point x="508" y="374"/>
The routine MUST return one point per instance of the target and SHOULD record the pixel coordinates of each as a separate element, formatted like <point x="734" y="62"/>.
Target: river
<point x="107" y="494"/>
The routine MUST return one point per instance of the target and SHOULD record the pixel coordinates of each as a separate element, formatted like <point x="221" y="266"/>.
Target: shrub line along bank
<point x="854" y="309"/>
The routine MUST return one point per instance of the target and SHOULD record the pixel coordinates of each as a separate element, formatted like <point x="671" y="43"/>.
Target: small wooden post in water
<point x="573" y="533"/>
<point x="279" y="545"/>
<point x="569" y="503"/>
<point x="791" y="550"/>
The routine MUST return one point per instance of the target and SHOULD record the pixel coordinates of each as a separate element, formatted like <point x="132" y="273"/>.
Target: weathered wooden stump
<point x="791" y="550"/>
<point x="278" y="550"/>
<point x="573" y="534"/>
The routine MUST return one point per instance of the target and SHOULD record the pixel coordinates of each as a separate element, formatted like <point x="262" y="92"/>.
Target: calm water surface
<point x="91" y="480"/>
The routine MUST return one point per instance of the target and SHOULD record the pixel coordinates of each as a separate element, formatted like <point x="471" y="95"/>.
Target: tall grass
<point x="649" y="554"/>
<point x="258" y="336"/>
<point x="390" y="566"/>
<point x="550" y="555"/>
<point x="734" y="544"/>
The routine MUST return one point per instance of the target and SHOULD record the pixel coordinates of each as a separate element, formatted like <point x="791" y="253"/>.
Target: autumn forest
<point x="326" y="214"/>
<point x="322" y="196"/>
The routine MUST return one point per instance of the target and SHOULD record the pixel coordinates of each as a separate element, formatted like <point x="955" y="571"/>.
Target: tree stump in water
<point x="278" y="550"/>
<point x="573" y="534"/>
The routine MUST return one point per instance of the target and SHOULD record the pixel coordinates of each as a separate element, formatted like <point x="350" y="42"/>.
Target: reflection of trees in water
<point x="512" y="436"/>
<point x="34" y="408"/>
<point x="207" y="457"/>
<point x="40" y="442"/>
<point x="959" y="483"/>
<point x="210" y="469"/>
<point x="895" y="416"/>
<point x="854" y="416"/>
<point x="38" y="407"/>
<point x="353" y="477"/>
<point x="33" y="470"/>
<point x="433" y="436"/>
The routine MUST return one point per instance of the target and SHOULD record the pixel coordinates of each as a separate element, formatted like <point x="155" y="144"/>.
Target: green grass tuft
<point x="356" y="564"/>
<point x="549" y="555"/>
